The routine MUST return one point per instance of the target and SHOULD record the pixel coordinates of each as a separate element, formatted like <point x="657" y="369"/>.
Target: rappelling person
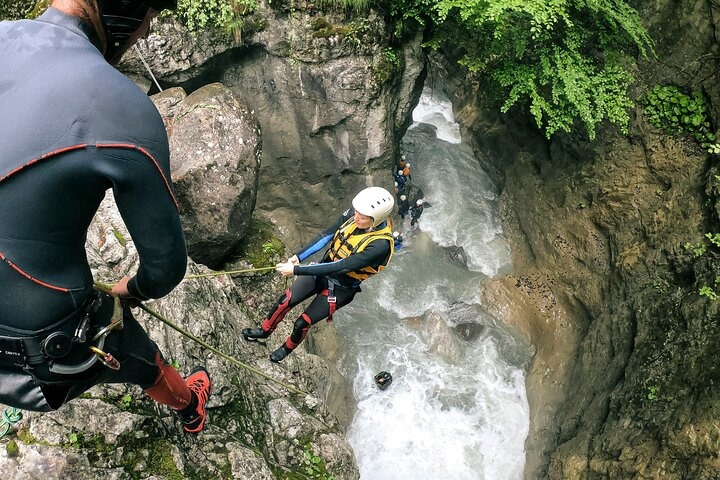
<point x="73" y="128"/>
<point x="361" y="245"/>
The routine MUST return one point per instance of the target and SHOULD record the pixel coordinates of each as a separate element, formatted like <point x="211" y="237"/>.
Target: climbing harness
<point x="116" y="322"/>
<point x="331" y="298"/>
<point x="108" y="288"/>
<point x="56" y="342"/>
<point x="10" y="416"/>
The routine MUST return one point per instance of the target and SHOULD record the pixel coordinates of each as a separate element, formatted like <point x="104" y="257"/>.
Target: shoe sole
<point x="255" y="339"/>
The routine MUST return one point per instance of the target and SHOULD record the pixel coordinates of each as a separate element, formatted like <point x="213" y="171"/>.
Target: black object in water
<point x="383" y="380"/>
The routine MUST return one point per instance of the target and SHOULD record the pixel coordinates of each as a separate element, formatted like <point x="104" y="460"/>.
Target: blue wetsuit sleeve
<point x="318" y="244"/>
<point x="373" y="255"/>
<point x="325" y="236"/>
<point x="144" y="198"/>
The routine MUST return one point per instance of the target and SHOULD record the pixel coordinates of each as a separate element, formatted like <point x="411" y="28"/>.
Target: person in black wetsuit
<point x="361" y="245"/>
<point x="417" y="210"/>
<point x="72" y="128"/>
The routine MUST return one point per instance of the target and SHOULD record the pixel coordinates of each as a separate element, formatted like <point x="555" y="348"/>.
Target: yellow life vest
<point x="344" y="244"/>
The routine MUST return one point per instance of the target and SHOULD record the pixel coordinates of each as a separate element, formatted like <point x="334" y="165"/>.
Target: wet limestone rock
<point x="215" y="147"/>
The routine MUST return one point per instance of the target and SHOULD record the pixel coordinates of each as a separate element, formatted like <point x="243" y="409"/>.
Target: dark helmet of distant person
<point x="122" y="18"/>
<point x="383" y="380"/>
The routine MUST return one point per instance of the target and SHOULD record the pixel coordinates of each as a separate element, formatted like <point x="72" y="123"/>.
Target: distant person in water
<point x="404" y="166"/>
<point x="406" y="171"/>
<point x="398" y="240"/>
<point x="399" y="181"/>
<point x="417" y="210"/>
<point x="361" y="245"/>
<point x="403" y="205"/>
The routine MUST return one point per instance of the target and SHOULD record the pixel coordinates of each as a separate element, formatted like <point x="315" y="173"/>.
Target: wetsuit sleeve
<point x="373" y="255"/>
<point x="144" y="197"/>
<point x="317" y="243"/>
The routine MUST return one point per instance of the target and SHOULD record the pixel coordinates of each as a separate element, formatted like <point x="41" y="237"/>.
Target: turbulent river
<point x="457" y="407"/>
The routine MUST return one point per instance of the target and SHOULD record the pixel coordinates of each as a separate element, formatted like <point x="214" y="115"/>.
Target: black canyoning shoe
<point x="193" y="417"/>
<point x="280" y="354"/>
<point x="251" y="334"/>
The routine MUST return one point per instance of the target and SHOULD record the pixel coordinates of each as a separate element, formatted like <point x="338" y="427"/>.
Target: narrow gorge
<point x="554" y="316"/>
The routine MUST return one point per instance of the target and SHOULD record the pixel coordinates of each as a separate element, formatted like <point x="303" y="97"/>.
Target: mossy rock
<point x="12" y="449"/>
<point x="261" y="246"/>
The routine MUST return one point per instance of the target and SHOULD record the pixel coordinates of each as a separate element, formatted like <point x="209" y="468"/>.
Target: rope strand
<point x="107" y="289"/>
<point x="227" y="272"/>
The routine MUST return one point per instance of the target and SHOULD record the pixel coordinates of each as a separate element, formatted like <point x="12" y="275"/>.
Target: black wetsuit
<point x="313" y="280"/>
<point x="72" y="128"/>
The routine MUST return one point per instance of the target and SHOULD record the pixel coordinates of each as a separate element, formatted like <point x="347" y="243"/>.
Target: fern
<point x="559" y="58"/>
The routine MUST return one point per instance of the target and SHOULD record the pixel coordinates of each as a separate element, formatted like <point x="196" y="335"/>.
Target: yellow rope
<point x="107" y="289"/>
<point x="227" y="272"/>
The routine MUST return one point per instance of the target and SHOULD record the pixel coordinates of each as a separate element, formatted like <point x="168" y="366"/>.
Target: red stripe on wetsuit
<point x="69" y="149"/>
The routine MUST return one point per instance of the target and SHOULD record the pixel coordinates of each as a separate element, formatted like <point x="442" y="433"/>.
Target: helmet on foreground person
<point x="122" y="18"/>
<point x="375" y="202"/>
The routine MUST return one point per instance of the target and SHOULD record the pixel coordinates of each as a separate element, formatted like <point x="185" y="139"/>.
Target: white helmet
<point x="402" y="157"/>
<point x="403" y="197"/>
<point x="419" y="202"/>
<point x="375" y="202"/>
<point x="400" y="172"/>
<point x="407" y="164"/>
<point x="396" y="234"/>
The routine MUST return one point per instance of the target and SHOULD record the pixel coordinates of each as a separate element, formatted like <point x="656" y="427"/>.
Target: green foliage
<point x="12" y="449"/>
<point x="678" y="113"/>
<point x="120" y="237"/>
<point x="653" y="392"/>
<point x="126" y="401"/>
<point x="713" y="238"/>
<point x="356" y="5"/>
<point x="385" y="65"/>
<point x="75" y="439"/>
<point x="660" y="286"/>
<point x="561" y="59"/>
<point x="696" y="249"/>
<point x="15" y="9"/>
<point x="260" y="246"/>
<point x="223" y="15"/>
<point x="709" y="292"/>
<point x="314" y="467"/>
<point x="271" y="248"/>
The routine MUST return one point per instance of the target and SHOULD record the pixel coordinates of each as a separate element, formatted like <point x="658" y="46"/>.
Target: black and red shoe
<point x="251" y="334"/>
<point x="193" y="417"/>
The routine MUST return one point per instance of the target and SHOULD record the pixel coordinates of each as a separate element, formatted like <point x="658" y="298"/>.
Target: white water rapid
<point x="457" y="407"/>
